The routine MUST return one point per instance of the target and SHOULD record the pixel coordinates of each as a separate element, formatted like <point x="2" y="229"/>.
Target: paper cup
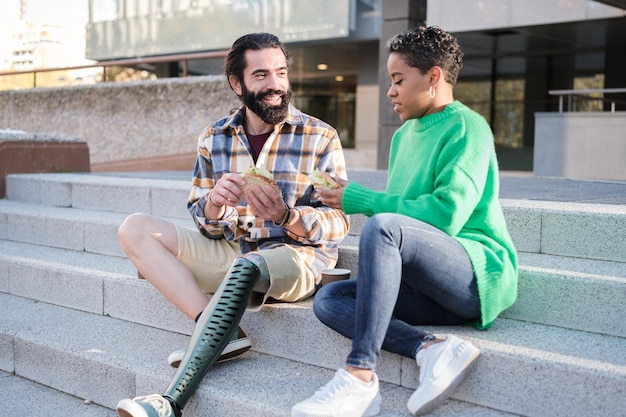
<point x="332" y="275"/>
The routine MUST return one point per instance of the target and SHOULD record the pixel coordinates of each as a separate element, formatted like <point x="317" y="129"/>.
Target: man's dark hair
<point x="235" y="62"/>
<point x="426" y="47"/>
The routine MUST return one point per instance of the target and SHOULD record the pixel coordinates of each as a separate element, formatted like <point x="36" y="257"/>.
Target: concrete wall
<point x="124" y="124"/>
<point x="153" y="125"/>
<point x="580" y="145"/>
<point x="140" y="126"/>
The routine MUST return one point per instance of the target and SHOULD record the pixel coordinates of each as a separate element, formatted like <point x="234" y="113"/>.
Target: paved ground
<point x="558" y="189"/>
<point x="513" y="185"/>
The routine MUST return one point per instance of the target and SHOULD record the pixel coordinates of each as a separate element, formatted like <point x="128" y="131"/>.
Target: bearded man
<point x="247" y="246"/>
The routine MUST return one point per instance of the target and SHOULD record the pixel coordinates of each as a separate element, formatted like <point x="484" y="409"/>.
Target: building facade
<point x="516" y="51"/>
<point x="28" y="44"/>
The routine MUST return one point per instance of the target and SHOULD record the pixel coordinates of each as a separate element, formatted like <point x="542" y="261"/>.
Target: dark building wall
<point x="397" y="16"/>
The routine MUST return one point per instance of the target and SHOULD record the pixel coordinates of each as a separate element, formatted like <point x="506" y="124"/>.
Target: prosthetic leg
<point x="214" y="329"/>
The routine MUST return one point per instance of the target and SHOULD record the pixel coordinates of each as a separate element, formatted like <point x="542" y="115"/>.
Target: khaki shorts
<point x="209" y="260"/>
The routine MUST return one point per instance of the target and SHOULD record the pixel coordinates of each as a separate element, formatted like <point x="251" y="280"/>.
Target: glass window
<point x="508" y="123"/>
<point x="592" y="101"/>
<point x="506" y="117"/>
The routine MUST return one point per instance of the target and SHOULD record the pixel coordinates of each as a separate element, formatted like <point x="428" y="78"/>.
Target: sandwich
<point x="323" y="179"/>
<point x="258" y="176"/>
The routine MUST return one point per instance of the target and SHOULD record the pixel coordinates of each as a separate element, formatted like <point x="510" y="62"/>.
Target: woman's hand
<point x="332" y="198"/>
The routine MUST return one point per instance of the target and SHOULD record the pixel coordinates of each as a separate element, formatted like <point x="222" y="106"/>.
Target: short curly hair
<point x="426" y="47"/>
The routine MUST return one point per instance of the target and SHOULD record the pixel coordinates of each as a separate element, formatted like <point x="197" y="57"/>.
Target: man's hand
<point x="227" y="191"/>
<point x="266" y="203"/>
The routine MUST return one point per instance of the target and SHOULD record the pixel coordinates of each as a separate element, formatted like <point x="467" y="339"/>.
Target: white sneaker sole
<point x="232" y="350"/>
<point x="374" y="408"/>
<point x="461" y="365"/>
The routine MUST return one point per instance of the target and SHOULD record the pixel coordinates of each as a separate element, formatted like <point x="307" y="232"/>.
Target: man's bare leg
<point x="151" y="244"/>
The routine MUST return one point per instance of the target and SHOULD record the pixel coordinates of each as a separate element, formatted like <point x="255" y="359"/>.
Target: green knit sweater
<point x="443" y="170"/>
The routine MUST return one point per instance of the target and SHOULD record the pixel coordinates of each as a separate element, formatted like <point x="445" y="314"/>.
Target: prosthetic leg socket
<point x="213" y="331"/>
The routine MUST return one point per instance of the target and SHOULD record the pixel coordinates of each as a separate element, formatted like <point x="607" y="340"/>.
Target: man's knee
<point x="136" y="227"/>
<point x="130" y="226"/>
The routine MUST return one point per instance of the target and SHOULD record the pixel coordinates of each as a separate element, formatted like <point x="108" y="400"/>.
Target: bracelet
<point x="285" y="220"/>
<point x="208" y="197"/>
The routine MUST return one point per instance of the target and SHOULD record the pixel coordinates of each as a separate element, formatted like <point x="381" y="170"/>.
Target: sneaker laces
<point x="158" y="403"/>
<point x="340" y="381"/>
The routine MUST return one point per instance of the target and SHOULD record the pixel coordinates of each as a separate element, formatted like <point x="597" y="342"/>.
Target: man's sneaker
<point x="442" y="366"/>
<point x="238" y="345"/>
<point x="344" y="396"/>
<point x="149" y="406"/>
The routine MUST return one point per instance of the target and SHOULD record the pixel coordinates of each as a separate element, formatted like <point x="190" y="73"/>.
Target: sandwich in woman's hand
<point x="258" y="176"/>
<point x="323" y="179"/>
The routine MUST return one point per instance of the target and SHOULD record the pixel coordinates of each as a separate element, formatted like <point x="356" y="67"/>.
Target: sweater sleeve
<point x="447" y="208"/>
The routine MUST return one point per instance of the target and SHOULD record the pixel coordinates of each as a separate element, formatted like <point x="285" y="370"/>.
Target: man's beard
<point x="269" y="114"/>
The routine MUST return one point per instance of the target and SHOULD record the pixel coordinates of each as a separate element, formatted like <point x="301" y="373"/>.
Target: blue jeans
<point x="410" y="273"/>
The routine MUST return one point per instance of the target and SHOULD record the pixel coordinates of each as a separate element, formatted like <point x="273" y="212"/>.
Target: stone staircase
<point x="79" y="331"/>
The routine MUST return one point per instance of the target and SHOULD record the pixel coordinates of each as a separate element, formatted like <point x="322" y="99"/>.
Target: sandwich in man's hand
<point x="259" y="176"/>
<point x="323" y="179"/>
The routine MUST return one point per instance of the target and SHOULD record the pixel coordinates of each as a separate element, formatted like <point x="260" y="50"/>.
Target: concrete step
<point x="594" y="232"/>
<point x="102" y="192"/>
<point x="26" y="398"/>
<point x="103" y="360"/>
<point x="132" y="299"/>
<point x="536" y="226"/>
<point x="93" y="231"/>
<point x="31" y="399"/>
<point x="574" y="293"/>
<point x="567" y="292"/>
<point x="580" y="230"/>
<point x="69" y="299"/>
<point x="525" y="368"/>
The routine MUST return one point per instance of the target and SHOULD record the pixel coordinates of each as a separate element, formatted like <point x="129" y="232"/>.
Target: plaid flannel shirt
<point x="294" y="149"/>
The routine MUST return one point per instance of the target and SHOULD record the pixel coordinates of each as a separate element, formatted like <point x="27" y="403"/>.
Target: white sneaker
<point x="442" y="366"/>
<point x="149" y="406"/>
<point x="344" y="396"/>
<point x="238" y="345"/>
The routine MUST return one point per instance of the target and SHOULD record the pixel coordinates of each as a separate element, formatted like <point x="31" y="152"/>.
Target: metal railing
<point x="570" y="94"/>
<point x="130" y="62"/>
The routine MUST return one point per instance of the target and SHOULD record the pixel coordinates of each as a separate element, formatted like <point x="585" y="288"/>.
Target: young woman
<point x="435" y="250"/>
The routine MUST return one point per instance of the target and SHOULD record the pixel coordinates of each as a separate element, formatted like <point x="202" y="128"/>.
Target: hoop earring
<point x="432" y="92"/>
